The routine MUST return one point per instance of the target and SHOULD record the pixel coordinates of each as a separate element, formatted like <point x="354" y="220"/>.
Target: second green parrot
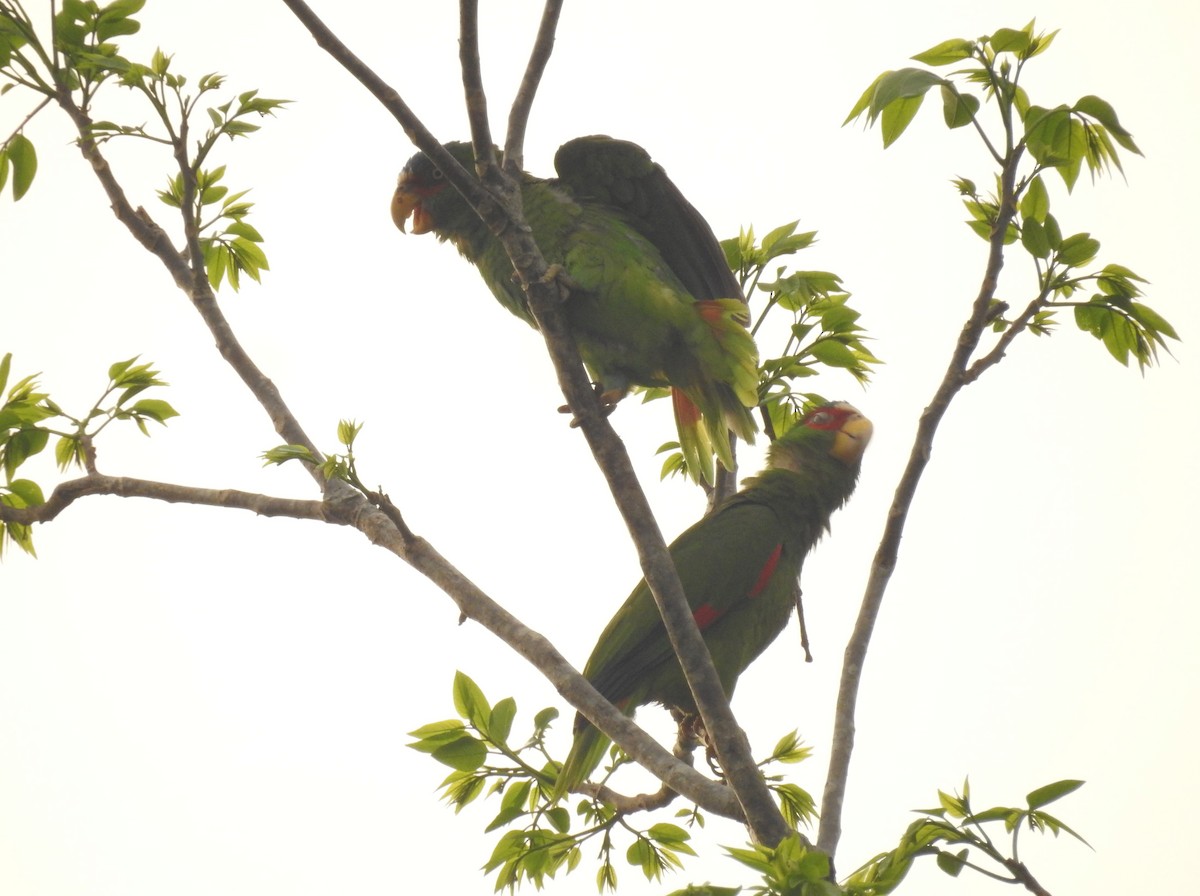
<point x="651" y="300"/>
<point x="738" y="567"/>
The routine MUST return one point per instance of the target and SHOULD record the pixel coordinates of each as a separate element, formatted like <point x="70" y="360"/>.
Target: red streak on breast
<point x="705" y="615"/>
<point x="768" y="570"/>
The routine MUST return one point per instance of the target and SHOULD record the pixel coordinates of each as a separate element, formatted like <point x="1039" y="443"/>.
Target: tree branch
<point x="472" y="75"/>
<point x="885" y="557"/>
<point x="518" y="117"/>
<point x="67" y="493"/>
<point x="542" y="654"/>
<point x="996" y="355"/>
<point x="194" y="283"/>
<point x="502" y="214"/>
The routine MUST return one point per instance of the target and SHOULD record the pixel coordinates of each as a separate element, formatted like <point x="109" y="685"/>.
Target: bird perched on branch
<point x="738" y="567"/>
<point x="651" y="301"/>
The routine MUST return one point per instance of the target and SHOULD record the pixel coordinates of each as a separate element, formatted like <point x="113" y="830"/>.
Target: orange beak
<point x="408" y="201"/>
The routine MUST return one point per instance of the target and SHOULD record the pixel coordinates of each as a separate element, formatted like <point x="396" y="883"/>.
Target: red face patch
<point x="832" y="416"/>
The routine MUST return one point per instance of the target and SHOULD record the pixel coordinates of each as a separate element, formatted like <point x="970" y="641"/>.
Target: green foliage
<point x="333" y="466"/>
<point x="823" y="330"/>
<point x="958" y="837"/>
<point x="793" y="868"/>
<point x="86" y="57"/>
<point x="542" y="841"/>
<point x="29" y="417"/>
<point x="1027" y="140"/>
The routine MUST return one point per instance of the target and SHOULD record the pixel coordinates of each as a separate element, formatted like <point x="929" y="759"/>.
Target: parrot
<point x="651" y="301"/>
<point x="738" y="567"/>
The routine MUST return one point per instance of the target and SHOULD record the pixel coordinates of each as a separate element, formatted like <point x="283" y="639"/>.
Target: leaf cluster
<point x="958" y="837"/>
<point x="1061" y="139"/>
<point x="485" y="762"/>
<point x="823" y="330"/>
<point x="793" y="868"/>
<point x="542" y="839"/>
<point x="84" y="56"/>
<point x="29" y="417"/>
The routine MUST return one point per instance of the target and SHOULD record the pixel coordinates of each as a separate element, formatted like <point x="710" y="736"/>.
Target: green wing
<point x="622" y="175"/>
<point x="721" y="562"/>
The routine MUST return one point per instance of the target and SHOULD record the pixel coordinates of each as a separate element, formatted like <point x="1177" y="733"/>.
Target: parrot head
<point x="836" y="430"/>
<point x="422" y="194"/>
<point x="420" y="181"/>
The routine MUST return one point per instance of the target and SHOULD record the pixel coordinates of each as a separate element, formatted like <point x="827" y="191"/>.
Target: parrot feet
<point x="608" y="402"/>
<point x="692" y="734"/>
<point x="557" y="275"/>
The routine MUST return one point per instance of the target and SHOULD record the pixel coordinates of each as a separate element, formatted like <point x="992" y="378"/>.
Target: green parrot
<point x="738" y="566"/>
<point x="651" y="300"/>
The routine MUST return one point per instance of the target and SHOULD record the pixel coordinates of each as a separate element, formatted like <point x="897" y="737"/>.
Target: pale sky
<point x="196" y="701"/>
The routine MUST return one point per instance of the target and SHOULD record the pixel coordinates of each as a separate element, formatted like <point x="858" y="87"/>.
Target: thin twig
<point x="539" y="57"/>
<point x="885" y="557"/>
<point x="472" y="75"/>
<point x="28" y="118"/>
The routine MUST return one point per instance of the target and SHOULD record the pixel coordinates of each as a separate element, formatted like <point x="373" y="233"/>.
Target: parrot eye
<point x="819" y="418"/>
<point x="437" y="174"/>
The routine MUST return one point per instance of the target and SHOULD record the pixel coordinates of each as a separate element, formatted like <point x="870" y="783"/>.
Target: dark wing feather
<point x="719" y="560"/>
<point x="622" y="175"/>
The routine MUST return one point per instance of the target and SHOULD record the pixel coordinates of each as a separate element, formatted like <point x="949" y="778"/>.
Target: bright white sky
<point x="196" y="701"/>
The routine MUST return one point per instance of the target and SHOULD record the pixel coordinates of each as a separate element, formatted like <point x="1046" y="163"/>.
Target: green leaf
<point x="23" y="158"/>
<point x="28" y="491"/>
<point x="862" y="105"/>
<point x="1009" y="40"/>
<point x="952" y="863"/>
<point x="470" y="702"/>
<point x="664" y="832"/>
<point x="1035" y="203"/>
<point x="952" y="805"/>
<point x="1033" y="238"/>
<point x="559" y="818"/>
<point x="996" y="813"/>
<point x="242" y="229"/>
<point x="906" y="83"/>
<point x="348" y="431"/>
<point x="958" y="109"/>
<point x="833" y="353"/>
<point x="500" y="721"/>
<point x="5" y="367"/>
<point x="1077" y="250"/>
<point x="435" y="734"/>
<point x="897" y="116"/>
<point x="155" y="409"/>
<point x="947" y="52"/>
<point x="465" y="754"/>
<point x="1152" y="320"/>
<point x="1103" y="113"/>
<point x="1053" y="231"/>
<point x="1043" y="796"/>
<point x="283" y="453"/>
<point x="506" y="815"/>
<point x="68" y="451"/>
<point x="21" y="445"/>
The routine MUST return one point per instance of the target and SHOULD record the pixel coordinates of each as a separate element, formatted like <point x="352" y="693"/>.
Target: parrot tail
<point x="719" y="400"/>
<point x="587" y="750"/>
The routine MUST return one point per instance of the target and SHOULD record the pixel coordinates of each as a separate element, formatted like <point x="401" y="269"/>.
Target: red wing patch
<point x="686" y="412"/>
<point x="768" y="570"/>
